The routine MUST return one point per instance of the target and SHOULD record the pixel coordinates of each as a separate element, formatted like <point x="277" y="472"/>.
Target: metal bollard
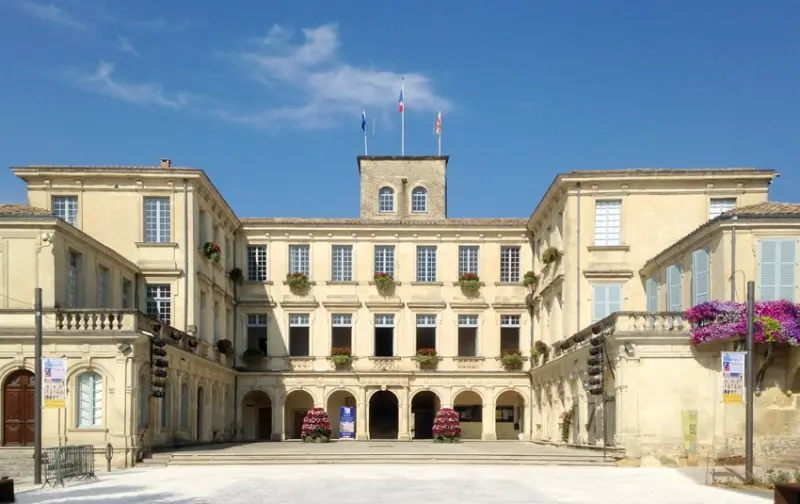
<point x="109" y="456"/>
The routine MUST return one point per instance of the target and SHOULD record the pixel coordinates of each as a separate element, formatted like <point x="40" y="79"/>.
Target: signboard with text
<point x="733" y="386"/>
<point x="347" y="422"/>
<point x="54" y="383"/>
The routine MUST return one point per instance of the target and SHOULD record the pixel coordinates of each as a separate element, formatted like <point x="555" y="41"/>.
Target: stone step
<point x="393" y="461"/>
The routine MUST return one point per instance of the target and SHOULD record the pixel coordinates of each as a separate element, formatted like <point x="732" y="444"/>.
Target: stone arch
<point x="13" y="367"/>
<point x="308" y="390"/>
<point x="384" y="414"/>
<point x="425" y="403"/>
<point x="386" y="186"/>
<point x="509" y="414"/>
<point x="256" y="410"/>
<point x="352" y="392"/>
<point x="420" y="188"/>
<point x="469" y="402"/>
<point x="334" y="401"/>
<point x="74" y="371"/>
<point x="77" y="414"/>
<point x="296" y="404"/>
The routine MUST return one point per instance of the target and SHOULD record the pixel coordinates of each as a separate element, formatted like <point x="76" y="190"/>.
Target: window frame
<point x="718" y="206"/>
<point x="509" y="275"/>
<point x="159" y="231"/>
<point x="298" y="247"/>
<point x="71" y="207"/>
<point x="384" y="261"/>
<point x="164" y="292"/>
<point x="257" y="263"/>
<point x="467" y="264"/>
<point x="96" y="399"/>
<point x="415" y="193"/>
<point x="342" y="263"/>
<point x="387" y="190"/>
<point x="427" y="263"/>
<point x="257" y="320"/>
<point x="604" y="234"/>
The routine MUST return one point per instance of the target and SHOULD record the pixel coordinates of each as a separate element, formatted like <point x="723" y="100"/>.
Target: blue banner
<point x="347" y="422"/>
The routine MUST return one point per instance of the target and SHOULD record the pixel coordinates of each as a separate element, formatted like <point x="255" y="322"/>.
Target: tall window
<point x="257" y="263"/>
<point x="73" y="279"/>
<point x="185" y="406"/>
<point x="386" y="200"/>
<point x="102" y="287"/>
<point x="607" y="222"/>
<point x="299" y="260"/>
<point x="419" y="200"/>
<point x="719" y="206"/>
<point x="509" y="264"/>
<point x="66" y="208"/>
<point x="299" y="335"/>
<point x="384" y="259"/>
<point x="467" y="259"/>
<point x="509" y="332"/>
<point x="90" y="400"/>
<point x="257" y="332"/>
<point x="384" y="336"/>
<point x="426" y="331"/>
<point x="426" y="264"/>
<point x="674" y="288"/>
<point x="342" y="263"/>
<point x="159" y="303"/>
<point x="127" y="290"/>
<point x="201" y="228"/>
<point x="701" y="276"/>
<point x="607" y="300"/>
<point x="156" y="220"/>
<point x="777" y="269"/>
<point x="342" y="331"/>
<point x="467" y="335"/>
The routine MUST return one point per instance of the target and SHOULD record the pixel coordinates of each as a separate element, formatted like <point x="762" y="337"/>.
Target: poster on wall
<point x="54" y="383"/>
<point x="733" y="377"/>
<point x="347" y="422"/>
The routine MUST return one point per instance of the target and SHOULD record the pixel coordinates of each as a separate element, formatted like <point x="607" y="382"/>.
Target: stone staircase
<point x="17" y="463"/>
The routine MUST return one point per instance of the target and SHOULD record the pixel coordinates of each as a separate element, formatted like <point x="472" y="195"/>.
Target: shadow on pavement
<point x="103" y="494"/>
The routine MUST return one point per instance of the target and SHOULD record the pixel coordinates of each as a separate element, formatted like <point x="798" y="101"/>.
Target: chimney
<point x="166" y="163"/>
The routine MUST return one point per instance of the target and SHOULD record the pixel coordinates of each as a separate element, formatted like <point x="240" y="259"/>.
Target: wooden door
<point x="264" y="423"/>
<point x="19" y="409"/>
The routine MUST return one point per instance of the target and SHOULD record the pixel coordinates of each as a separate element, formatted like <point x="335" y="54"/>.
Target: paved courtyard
<point x="390" y="485"/>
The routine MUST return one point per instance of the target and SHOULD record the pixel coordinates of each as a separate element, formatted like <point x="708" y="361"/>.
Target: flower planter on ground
<point x="316" y="426"/>
<point x="470" y="283"/>
<point x="341" y="357"/>
<point x="426" y="357"/>
<point x="446" y="426"/>
<point x="212" y="251"/>
<point x="384" y="282"/>
<point x="297" y="281"/>
<point x="551" y="255"/>
<point x="512" y="359"/>
<point x="566" y="423"/>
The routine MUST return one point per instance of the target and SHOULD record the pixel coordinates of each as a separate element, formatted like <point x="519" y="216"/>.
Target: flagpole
<point x="403" y="120"/>
<point x="440" y="143"/>
<point x="366" y="152"/>
<point x="364" y="129"/>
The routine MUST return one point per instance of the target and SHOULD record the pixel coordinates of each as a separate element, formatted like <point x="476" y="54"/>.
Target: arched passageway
<point x="296" y="406"/>
<point x="509" y="415"/>
<point x="337" y="400"/>
<point x="257" y="416"/>
<point x="383" y="415"/>
<point x="469" y="406"/>
<point x="424" y="406"/>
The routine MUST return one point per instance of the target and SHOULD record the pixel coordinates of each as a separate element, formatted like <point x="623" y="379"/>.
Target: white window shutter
<point x="675" y="289"/>
<point x="768" y="270"/>
<point x="614" y="299"/>
<point x="652" y="295"/>
<point x="787" y="269"/>
<point x="600" y="299"/>
<point x="700" y="277"/>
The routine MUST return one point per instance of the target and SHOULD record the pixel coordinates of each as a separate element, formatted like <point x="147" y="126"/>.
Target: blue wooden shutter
<point x="768" y="270"/>
<point x="701" y="288"/>
<point x="600" y="299"/>
<point x="787" y="270"/>
<point x="674" y="289"/>
<point x="652" y="295"/>
<point x="614" y="299"/>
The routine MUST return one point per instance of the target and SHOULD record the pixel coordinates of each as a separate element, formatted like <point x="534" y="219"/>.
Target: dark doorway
<point x="18" y="408"/>
<point x="200" y="411"/>
<point x="299" y="416"/>
<point x="383" y="415"/>
<point x="384" y="342"/>
<point x="264" y="425"/>
<point x="424" y="407"/>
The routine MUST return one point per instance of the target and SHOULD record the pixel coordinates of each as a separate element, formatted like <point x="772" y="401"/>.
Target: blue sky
<point x="267" y="98"/>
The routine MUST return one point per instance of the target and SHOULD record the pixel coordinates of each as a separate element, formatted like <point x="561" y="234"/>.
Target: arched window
<point x="144" y="402"/>
<point x="90" y="400"/>
<point x="184" y="406"/>
<point x="165" y="406"/>
<point x="419" y="200"/>
<point x="386" y="200"/>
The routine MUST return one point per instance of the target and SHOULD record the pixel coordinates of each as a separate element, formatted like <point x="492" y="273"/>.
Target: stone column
<point x="403" y="412"/>
<point x="527" y="419"/>
<point x="361" y="415"/>
<point x="278" y="418"/>
<point x="489" y="431"/>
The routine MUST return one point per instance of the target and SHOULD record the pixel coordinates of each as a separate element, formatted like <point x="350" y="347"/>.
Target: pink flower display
<point x="446" y="426"/>
<point x="774" y="322"/>
<point x="316" y="426"/>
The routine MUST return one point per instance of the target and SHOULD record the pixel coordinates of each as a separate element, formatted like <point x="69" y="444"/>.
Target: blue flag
<point x="364" y="121"/>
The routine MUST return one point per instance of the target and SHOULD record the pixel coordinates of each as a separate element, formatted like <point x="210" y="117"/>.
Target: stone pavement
<point x="391" y="485"/>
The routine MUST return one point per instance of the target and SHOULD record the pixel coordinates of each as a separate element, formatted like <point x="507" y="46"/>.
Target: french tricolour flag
<point x="400" y="104"/>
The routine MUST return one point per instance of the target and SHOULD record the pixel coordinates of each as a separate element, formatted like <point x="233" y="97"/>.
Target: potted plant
<point x="212" y="251"/>
<point x="512" y="359"/>
<point x="384" y="282"/>
<point x="446" y="426"/>
<point x="297" y="281"/>
<point x="470" y="283"/>
<point x="566" y="423"/>
<point x="224" y="346"/>
<point x="426" y="357"/>
<point x="530" y="278"/>
<point x="236" y="275"/>
<point x="316" y="426"/>
<point x="252" y="357"/>
<point x="341" y="357"/>
<point x="551" y="255"/>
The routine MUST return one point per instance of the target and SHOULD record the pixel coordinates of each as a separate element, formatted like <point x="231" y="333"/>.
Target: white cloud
<point x="325" y="89"/>
<point x="124" y="45"/>
<point x="51" y="13"/>
<point x="102" y="81"/>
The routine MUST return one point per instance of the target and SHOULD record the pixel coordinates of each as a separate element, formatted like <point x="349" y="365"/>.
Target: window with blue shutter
<point x="607" y="300"/>
<point x="777" y="269"/>
<point x="674" y="289"/>
<point x="701" y="277"/>
<point x="90" y="400"/>
<point x="652" y="295"/>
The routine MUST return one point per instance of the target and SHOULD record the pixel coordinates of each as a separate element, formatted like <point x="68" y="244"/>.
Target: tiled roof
<point x="13" y="210"/>
<point x="299" y="221"/>
<point x="767" y="208"/>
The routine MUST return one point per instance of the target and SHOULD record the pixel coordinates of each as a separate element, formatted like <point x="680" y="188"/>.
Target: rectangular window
<point x="674" y="288"/>
<point x="257" y="263"/>
<point x="156" y="220"/>
<point x="384" y="259"/>
<point x="127" y="290"/>
<point x="607" y="300"/>
<point x="66" y="208"/>
<point x="777" y="269"/>
<point x="426" y="264"/>
<point x="299" y="260"/>
<point x="216" y="321"/>
<point x="719" y="206"/>
<point x="426" y="331"/>
<point x="102" y="287"/>
<point x="701" y="276"/>
<point x="509" y="264"/>
<point x="90" y="398"/>
<point x="509" y="333"/>
<point x="467" y="259"/>
<point x="384" y="336"/>
<point x="607" y="223"/>
<point x="201" y="228"/>
<point x="73" y="279"/>
<point x="299" y="335"/>
<point x="257" y="332"/>
<point x="342" y="331"/>
<point x="467" y="335"/>
<point x="159" y="303"/>
<point x="342" y="263"/>
<point x="651" y="286"/>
